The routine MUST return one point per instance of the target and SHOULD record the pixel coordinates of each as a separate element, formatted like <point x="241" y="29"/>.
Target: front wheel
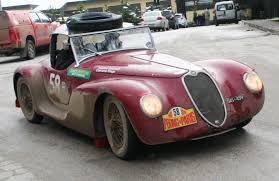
<point x="120" y="134"/>
<point x="26" y="101"/>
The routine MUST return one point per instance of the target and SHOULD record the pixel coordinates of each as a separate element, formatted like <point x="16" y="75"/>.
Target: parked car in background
<point x="182" y="21"/>
<point x="155" y="20"/>
<point x="226" y="12"/>
<point x="173" y="21"/>
<point x="23" y="31"/>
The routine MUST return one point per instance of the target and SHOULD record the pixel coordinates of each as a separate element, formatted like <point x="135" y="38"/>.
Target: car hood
<point x="142" y="63"/>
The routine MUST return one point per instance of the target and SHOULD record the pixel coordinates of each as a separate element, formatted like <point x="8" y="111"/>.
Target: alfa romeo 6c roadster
<point x="113" y="83"/>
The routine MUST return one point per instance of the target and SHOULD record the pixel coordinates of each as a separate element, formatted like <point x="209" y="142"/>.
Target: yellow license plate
<point x="179" y="117"/>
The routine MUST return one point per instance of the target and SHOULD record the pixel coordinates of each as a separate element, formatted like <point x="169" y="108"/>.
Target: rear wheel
<point x="120" y="134"/>
<point x="26" y="101"/>
<point x="29" y="51"/>
<point x="243" y="124"/>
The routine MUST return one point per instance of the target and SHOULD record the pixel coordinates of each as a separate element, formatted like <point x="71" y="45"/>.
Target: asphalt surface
<point x="52" y="152"/>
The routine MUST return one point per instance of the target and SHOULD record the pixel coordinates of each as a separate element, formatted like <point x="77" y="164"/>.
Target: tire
<point x="94" y="21"/>
<point x="168" y="28"/>
<point x="29" y="51"/>
<point x="164" y="28"/>
<point x="123" y="140"/>
<point x="25" y="99"/>
<point x="243" y="124"/>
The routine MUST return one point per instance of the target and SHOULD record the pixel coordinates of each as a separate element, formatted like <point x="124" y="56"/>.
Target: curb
<point x="261" y="27"/>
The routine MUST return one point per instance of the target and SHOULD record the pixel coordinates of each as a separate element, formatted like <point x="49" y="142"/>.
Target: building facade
<point x="114" y="6"/>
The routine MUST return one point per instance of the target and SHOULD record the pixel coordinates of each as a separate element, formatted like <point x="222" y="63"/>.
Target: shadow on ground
<point x="207" y="146"/>
<point x="16" y="58"/>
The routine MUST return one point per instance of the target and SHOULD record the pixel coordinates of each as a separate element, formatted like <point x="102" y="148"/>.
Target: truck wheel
<point x="26" y="101"/>
<point x="243" y="124"/>
<point x="29" y="51"/>
<point x="120" y="134"/>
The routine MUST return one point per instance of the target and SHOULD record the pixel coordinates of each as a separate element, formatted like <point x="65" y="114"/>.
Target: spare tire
<point x="94" y="21"/>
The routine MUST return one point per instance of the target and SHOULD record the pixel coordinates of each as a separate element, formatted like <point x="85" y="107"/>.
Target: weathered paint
<point x="135" y="74"/>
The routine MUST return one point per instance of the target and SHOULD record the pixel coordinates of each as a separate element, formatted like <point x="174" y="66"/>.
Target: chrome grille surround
<point x="194" y="74"/>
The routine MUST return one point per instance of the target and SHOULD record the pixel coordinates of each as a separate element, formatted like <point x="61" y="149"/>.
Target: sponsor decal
<point x="235" y="99"/>
<point x="79" y="73"/>
<point x="110" y="70"/>
<point x="179" y="117"/>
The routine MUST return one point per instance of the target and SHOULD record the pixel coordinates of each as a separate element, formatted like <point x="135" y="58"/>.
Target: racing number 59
<point x="54" y="82"/>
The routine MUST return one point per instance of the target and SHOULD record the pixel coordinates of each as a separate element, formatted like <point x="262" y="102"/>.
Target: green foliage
<point x="129" y="15"/>
<point x="80" y="9"/>
<point x="53" y="13"/>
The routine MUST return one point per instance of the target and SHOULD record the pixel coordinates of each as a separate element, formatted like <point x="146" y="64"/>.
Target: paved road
<point x="51" y="152"/>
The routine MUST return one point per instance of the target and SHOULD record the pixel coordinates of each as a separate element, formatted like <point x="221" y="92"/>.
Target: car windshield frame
<point x="79" y="61"/>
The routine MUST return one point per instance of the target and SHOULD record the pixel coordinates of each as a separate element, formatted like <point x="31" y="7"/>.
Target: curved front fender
<point x="229" y="76"/>
<point x="128" y="92"/>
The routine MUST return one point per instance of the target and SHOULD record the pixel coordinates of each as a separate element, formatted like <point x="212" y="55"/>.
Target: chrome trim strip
<point x="212" y="135"/>
<point x="188" y="92"/>
<point x="74" y="51"/>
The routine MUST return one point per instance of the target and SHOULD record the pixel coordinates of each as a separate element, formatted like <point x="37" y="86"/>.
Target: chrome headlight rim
<point x="249" y="87"/>
<point x="145" y="111"/>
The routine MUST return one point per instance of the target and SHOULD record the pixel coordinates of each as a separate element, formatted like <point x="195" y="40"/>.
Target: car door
<point x="221" y="12"/>
<point x="38" y="28"/>
<point x="57" y="82"/>
<point x="44" y="28"/>
<point x="230" y="12"/>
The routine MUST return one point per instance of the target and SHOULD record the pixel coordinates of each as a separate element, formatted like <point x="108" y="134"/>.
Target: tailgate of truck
<point x="4" y="29"/>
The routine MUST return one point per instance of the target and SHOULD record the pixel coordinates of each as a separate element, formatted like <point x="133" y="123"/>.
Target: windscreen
<point x="223" y="7"/>
<point x="88" y="45"/>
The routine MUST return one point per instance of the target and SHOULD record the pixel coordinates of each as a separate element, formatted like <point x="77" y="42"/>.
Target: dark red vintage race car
<point x="115" y="84"/>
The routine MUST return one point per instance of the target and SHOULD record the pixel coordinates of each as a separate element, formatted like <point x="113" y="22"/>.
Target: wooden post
<point x="173" y="6"/>
<point x="142" y="6"/>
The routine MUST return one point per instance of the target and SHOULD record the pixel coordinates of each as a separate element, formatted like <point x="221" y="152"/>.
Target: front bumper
<point x="155" y="24"/>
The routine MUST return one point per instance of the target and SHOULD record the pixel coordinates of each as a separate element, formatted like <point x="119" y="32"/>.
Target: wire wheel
<point x="116" y="125"/>
<point x="24" y="96"/>
<point x="26" y="99"/>
<point x="120" y="134"/>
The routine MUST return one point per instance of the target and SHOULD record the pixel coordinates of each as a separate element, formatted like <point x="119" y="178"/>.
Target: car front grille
<point x="206" y="98"/>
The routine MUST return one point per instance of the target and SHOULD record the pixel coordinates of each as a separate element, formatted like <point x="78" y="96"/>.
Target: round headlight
<point x="151" y="105"/>
<point x="253" y="82"/>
